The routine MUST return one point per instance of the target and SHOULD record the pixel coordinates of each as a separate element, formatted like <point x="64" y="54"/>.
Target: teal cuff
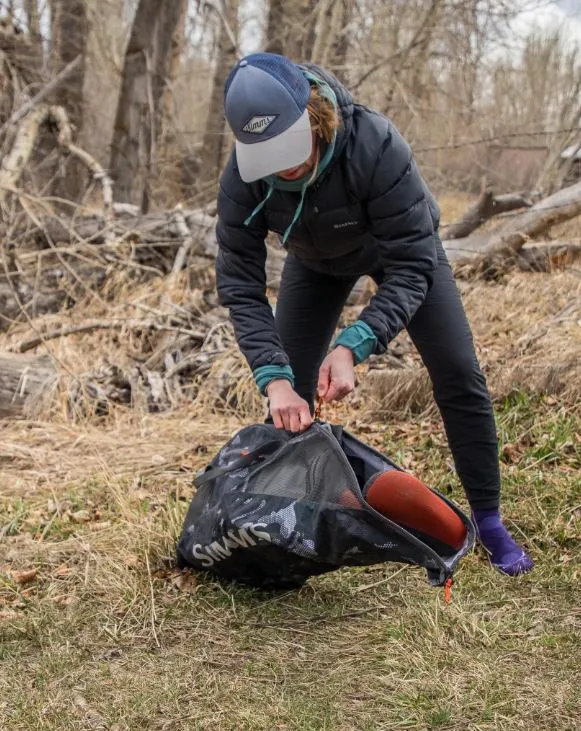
<point x="265" y="374"/>
<point x="360" y="339"/>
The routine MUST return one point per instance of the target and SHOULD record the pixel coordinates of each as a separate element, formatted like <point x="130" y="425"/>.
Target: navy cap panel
<point x="258" y="106"/>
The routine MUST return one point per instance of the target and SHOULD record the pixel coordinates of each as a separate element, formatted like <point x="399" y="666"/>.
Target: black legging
<point x="308" y="308"/>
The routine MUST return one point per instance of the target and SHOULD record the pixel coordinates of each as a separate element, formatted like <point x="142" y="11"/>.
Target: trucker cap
<point x="265" y="100"/>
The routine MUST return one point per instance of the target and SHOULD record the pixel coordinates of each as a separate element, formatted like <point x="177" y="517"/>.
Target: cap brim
<point x="287" y="150"/>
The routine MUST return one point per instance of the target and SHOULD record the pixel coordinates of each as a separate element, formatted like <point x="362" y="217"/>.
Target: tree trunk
<point x="291" y="29"/>
<point x="102" y="82"/>
<point x="169" y="75"/>
<point x="275" y="27"/>
<point x="487" y="206"/>
<point x="70" y="31"/>
<point x="146" y="62"/>
<point x="33" y="18"/>
<point x="216" y="131"/>
<point x="167" y="51"/>
<point x="340" y="40"/>
<point x="511" y="237"/>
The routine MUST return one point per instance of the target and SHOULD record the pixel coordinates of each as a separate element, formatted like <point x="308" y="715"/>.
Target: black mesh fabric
<point x="298" y="511"/>
<point x="280" y="68"/>
<point x="309" y="467"/>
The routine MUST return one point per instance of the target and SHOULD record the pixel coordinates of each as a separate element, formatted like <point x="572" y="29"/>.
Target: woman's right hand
<point x="289" y="411"/>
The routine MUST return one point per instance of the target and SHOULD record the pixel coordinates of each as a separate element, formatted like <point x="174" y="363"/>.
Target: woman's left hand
<point x="336" y="375"/>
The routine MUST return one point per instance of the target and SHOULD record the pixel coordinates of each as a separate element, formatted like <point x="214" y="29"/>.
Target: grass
<point x="98" y="630"/>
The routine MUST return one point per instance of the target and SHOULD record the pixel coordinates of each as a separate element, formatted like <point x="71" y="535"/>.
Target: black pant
<point x="308" y="308"/>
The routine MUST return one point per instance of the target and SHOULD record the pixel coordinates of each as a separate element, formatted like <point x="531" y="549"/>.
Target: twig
<point x="59" y="116"/>
<point x="379" y="583"/>
<point x="153" y="614"/>
<point x="31" y="343"/>
<point x="42" y="94"/>
<point x="216" y="7"/>
<point x="188" y="240"/>
<point x="15" y="162"/>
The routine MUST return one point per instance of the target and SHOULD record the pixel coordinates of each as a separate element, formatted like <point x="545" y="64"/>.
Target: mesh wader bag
<point x="273" y="509"/>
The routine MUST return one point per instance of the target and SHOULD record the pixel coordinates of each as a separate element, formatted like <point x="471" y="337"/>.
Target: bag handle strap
<point x="244" y="461"/>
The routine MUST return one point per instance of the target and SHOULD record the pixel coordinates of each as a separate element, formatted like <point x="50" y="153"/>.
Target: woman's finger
<point x="324" y="379"/>
<point x="305" y="417"/>
<point x="276" y="418"/>
<point x="295" y="420"/>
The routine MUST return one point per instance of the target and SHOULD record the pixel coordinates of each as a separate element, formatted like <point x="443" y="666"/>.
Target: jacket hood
<point x="344" y="100"/>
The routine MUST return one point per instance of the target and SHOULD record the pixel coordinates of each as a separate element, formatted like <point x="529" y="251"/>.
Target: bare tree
<point x="145" y="74"/>
<point x="105" y="44"/>
<point x="291" y="28"/>
<point x="69" y="36"/>
<point x="275" y="32"/>
<point x="332" y="35"/>
<point x="33" y="18"/>
<point x="69" y="33"/>
<point x="215" y="132"/>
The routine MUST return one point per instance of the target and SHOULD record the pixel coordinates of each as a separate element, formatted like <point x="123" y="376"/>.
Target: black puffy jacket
<point x="369" y="212"/>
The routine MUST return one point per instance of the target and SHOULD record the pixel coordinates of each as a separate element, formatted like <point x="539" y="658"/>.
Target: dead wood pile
<point x="101" y="305"/>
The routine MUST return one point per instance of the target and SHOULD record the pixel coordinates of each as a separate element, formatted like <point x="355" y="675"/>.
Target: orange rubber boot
<point x="405" y="500"/>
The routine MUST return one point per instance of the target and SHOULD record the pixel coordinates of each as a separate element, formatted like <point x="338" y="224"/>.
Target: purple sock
<point x="505" y="554"/>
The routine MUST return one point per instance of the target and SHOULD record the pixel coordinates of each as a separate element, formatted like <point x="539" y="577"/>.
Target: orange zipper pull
<point x="448" y="590"/>
<point x="319" y="408"/>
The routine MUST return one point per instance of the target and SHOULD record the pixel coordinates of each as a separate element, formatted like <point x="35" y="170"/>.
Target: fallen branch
<point x="486" y="207"/>
<point x="185" y="247"/>
<point x="511" y="237"/>
<point x="546" y="257"/>
<point x="26" y="384"/>
<point x="14" y="163"/>
<point x="92" y="325"/>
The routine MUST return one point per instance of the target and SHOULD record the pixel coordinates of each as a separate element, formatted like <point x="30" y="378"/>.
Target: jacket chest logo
<point x="258" y="125"/>
<point x="345" y="224"/>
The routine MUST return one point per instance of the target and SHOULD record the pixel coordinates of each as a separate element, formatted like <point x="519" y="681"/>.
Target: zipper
<point x="398" y="529"/>
<point x="469" y="525"/>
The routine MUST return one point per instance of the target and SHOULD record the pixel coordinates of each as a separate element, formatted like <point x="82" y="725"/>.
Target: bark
<point x="487" y="206"/>
<point x="275" y="31"/>
<point x="29" y="131"/>
<point x="510" y="238"/>
<point x="26" y="384"/>
<point x="169" y="75"/>
<point x="33" y="18"/>
<point x="339" y="46"/>
<point x="145" y="71"/>
<point x="214" y="144"/>
<point x="291" y="29"/>
<point x="102" y="82"/>
<point x="166" y="53"/>
<point x="70" y="28"/>
<point x="331" y="41"/>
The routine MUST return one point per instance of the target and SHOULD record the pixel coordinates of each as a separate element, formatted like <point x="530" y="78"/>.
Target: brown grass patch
<point x="528" y="337"/>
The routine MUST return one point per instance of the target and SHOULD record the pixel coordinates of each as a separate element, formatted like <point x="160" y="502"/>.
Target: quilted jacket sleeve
<point x="240" y="271"/>
<point x="404" y="219"/>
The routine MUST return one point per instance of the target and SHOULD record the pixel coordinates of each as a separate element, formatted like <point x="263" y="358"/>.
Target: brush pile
<point x="102" y="306"/>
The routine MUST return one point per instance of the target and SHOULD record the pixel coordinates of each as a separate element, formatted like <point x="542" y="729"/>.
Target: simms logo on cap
<point x="258" y="125"/>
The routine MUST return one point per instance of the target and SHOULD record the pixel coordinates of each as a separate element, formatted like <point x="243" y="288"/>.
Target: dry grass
<point x="528" y="337"/>
<point x="99" y="631"/>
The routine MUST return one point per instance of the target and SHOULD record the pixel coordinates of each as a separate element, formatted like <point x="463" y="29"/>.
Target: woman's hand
<point x="289" y="411"/>
<point x="337" y="375"/>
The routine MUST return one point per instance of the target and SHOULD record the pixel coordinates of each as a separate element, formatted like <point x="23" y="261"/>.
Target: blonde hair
<point x="323" y="115"/>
